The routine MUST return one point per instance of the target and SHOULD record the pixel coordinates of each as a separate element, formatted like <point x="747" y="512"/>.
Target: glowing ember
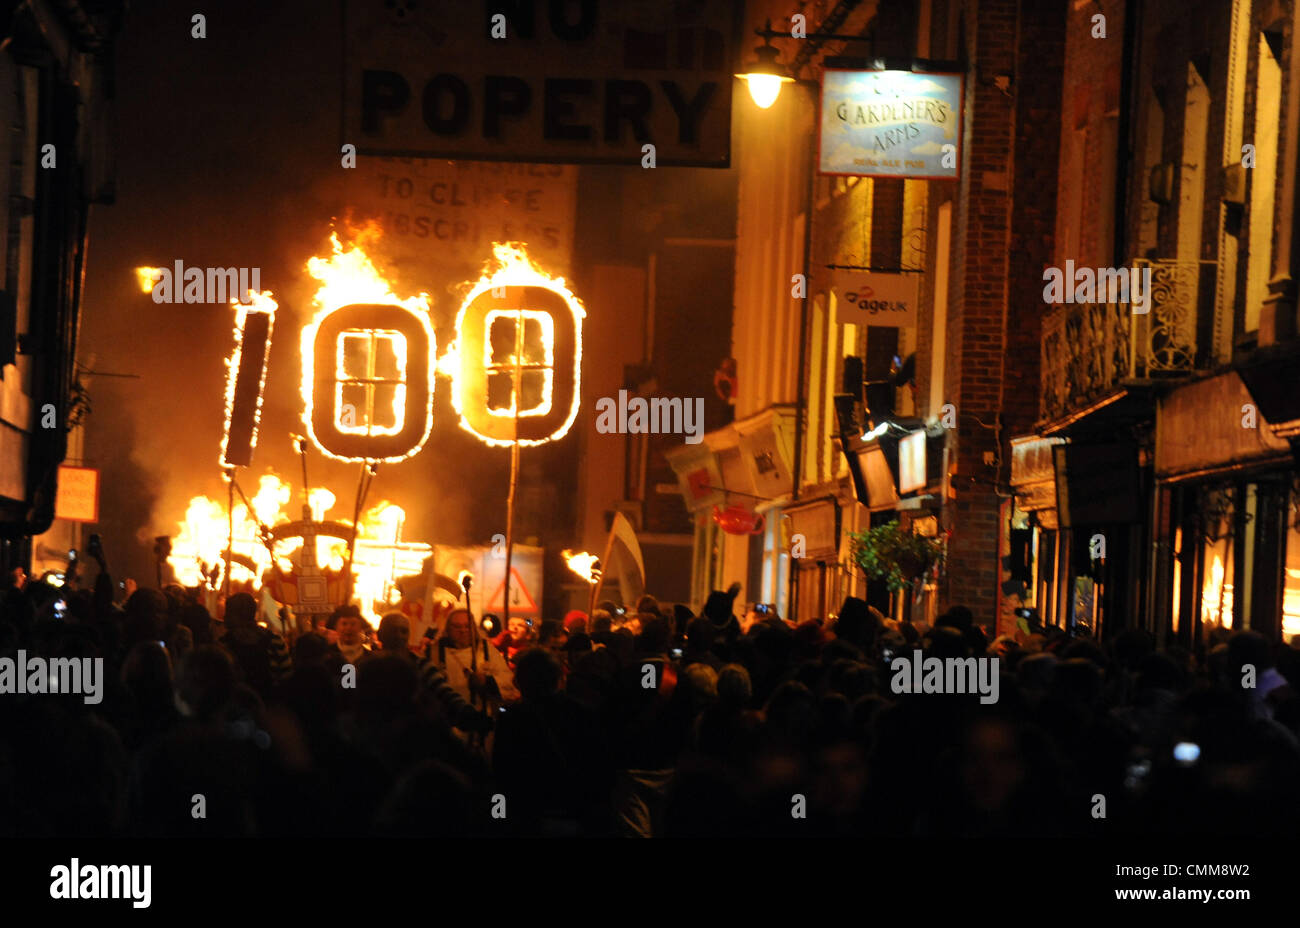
<point x="583" y="564"/>
<point x="147" y="277"/>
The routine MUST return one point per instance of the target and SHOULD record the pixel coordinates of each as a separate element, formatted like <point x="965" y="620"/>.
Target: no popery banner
<point x="559" y="81"/>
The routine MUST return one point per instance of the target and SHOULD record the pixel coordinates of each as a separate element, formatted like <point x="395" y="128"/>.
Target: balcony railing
<point x="1091" y="349"/>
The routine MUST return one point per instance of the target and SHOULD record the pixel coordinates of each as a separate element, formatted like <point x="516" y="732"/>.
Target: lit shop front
<point x="898" y="472"/>
<point x="735" y="484"/>
<point x="1227" y="517"/>
<point x="1075" y="531"/>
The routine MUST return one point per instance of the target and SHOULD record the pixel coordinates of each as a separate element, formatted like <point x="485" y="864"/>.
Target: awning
<point x="1213" y="424"/>
<point x="750" y="460"/>
<point x="818" y="522"/>
<point x="1033" y="473"/>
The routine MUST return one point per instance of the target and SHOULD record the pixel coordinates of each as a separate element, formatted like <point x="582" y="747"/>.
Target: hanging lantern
<point x="737" y="520"/>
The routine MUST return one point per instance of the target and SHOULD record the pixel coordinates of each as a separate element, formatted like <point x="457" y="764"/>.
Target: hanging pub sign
<point x="525" y="80"/>
<point x="875" y="297"/>
<point x="891" y="124"/>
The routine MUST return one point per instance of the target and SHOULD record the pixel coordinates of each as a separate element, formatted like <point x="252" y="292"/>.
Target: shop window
<point x="1177" y="613"/>
<point x="1291" y="588"/>
<point x="1217" y="519"/>
<point x="1216" y="589"/>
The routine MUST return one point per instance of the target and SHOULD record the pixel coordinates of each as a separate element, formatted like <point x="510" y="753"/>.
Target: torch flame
<point x="582" y="564"/>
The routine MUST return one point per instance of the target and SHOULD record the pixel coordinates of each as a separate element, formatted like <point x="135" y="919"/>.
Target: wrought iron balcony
<point x="1090" y="350"/>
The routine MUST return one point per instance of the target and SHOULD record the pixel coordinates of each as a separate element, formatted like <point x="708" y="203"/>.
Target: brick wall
<point x="1003" y="236"/>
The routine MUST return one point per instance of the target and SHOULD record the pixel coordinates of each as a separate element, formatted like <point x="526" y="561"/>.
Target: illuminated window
<point x="1291" y="587"/>
<point x="530" y="336"/>
<point x="370" y="381"/>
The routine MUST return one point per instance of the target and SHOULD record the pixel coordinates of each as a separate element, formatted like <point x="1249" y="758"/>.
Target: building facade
<point x="1159" y="487"/>
<point x="55" y="106"/>
<point x="814" y="449"/>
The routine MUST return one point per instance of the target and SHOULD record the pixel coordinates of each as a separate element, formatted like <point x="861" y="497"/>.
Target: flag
<point x="623" y="559"/>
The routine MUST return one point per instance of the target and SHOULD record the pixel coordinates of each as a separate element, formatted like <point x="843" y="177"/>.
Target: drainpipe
<point x="810" y="170"/>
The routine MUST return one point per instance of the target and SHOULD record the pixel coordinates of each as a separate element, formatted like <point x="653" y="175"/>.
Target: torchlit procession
<point x="869" y="420"/>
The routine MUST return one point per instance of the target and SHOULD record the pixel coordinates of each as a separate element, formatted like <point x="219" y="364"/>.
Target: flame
<point x="349" y="276"/>
<point x="511" y="266"/>
<point x="582" y="564"/>
<point x="259" y="302"/>
<point x="380" y="558"/>
<point x="147" y="277"/>
<point x="319" y="501"/>
<point x="1216" y="596"/>
<point x="1291" y="601"/>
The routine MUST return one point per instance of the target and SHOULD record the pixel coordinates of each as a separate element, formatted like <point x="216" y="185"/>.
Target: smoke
<point x="220" y="164"/>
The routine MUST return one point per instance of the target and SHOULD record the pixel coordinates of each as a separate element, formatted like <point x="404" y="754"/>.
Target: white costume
<point x="456" y="661"/>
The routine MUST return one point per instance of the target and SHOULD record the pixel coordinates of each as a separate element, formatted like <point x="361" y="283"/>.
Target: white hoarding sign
<point x="876" y="298"/>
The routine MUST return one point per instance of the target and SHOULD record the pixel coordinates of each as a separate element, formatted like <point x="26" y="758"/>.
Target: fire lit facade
<point x="1159" y="487"/>
<point x="961" y="378"/>
<point x="55" y="98"/>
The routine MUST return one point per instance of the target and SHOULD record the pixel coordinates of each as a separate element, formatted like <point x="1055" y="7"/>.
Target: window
<point x="1268" y="96"/>
<point x="1291" y="577"/>
<point x="530" y="336"/>
<point x="370" y="382"/>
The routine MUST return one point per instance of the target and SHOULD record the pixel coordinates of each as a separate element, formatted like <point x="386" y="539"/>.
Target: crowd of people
<point x="645" y="721"/>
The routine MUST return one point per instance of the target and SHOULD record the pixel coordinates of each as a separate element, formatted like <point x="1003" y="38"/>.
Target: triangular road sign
<point x="521" y="601"/>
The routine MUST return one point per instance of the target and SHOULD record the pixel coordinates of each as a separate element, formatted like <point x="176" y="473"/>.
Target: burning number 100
<point x="368" y="368"/>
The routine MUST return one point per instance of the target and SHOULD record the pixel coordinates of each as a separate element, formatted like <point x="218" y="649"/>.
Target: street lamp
<point x="765" y="76"/>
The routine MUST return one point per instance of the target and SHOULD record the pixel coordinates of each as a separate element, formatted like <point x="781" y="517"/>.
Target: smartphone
<point x="761" y="608"/>
<point x="676" y="653"/>
<point x="60" y="607"/>
<point x="121" y="584"/>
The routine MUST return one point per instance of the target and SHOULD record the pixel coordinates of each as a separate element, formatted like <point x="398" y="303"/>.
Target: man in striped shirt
<point x="394" y="639"/>
<point x="259" y="653"/>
